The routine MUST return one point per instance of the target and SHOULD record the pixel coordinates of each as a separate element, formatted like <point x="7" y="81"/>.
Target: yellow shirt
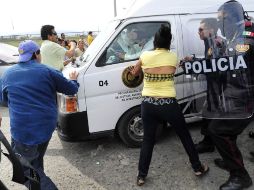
<point x="158" y="85"/>
<point x="52" y="54"/>
<point x="89" y="39"/>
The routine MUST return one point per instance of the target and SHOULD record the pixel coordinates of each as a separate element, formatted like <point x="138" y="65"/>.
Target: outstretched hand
<point x="130" y="68"/>
<point x="135" y="70"/>
<point x="187" y="58"/>
<point x="73" y="75"/>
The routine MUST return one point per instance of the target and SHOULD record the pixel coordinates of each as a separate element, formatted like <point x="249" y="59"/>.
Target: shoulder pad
<point x="248" y="23"/>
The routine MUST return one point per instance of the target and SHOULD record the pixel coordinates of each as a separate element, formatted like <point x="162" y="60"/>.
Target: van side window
<point x="193" y="44"/>
<point x="201" y="36"/>
<point x="131" y="42"/>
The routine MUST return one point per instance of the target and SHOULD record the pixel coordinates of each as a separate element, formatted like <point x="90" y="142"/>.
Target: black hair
<point x="90" y="32"/>
<point x="35" y="53"/>
<point x="211" y="23"/>
<point x="46" y="30"/>
<point x="162" y="38"/>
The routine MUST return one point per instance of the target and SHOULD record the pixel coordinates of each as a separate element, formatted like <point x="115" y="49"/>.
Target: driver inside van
<point x="128" y="45"/>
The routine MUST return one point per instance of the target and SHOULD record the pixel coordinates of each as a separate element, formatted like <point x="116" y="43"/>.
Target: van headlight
<point x="67" y="103"/>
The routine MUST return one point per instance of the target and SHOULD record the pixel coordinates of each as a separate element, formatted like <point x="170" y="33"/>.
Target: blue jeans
<point x="34" y="155"/>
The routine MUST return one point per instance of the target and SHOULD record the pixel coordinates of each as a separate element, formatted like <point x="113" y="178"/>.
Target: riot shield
<point x="226" y="70"/>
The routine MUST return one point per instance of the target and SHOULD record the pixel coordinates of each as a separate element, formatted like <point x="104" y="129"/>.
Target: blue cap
<point x="26" y="50"/>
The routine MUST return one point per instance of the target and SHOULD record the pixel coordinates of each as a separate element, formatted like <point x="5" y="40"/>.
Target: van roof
<point x="164" y="7"/>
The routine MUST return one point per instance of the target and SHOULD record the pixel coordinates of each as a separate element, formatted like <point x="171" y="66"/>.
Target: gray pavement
<point x="107" y="164"/>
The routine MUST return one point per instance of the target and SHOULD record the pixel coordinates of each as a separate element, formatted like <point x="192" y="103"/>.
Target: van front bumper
<point x="73" y="126"/>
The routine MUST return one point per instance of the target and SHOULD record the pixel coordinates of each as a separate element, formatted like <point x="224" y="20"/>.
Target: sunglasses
<point x="54" y="33"/>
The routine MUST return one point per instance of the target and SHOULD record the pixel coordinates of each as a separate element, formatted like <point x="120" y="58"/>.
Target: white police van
<point x="108" y="100"/>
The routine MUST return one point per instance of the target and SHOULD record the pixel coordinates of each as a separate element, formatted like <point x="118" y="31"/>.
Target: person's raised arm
<point x="71" y="52"/>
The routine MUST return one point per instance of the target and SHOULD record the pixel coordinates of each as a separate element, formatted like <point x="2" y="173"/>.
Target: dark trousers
<point x="152" y="115"/>
<point x="34" y="155"/>
<point x="224" y="135"/>
<point x="204" y="131"/>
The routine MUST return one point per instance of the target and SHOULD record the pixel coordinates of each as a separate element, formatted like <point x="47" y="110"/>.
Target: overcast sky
<point x="28" y="16"/>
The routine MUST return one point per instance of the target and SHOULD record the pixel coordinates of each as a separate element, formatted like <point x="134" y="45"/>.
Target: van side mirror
<point x="102" y="60"/>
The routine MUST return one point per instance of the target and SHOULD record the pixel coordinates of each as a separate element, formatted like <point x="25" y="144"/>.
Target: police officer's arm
<point x="63" y="85"/>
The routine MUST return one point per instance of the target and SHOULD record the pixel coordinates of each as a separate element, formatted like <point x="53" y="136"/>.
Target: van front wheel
<point x="130" y="128"/>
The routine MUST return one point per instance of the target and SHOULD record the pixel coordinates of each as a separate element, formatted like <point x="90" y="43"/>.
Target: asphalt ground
<point x="107" y="164"/>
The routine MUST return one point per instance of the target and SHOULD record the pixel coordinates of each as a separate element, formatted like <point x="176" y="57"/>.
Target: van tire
<point x="130" y="128"/>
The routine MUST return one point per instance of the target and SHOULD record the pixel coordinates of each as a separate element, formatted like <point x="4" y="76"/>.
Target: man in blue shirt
<point x="30" y="89"/>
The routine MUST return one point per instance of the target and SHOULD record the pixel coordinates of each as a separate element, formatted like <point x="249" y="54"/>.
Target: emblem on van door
<point x="131" y="81"/>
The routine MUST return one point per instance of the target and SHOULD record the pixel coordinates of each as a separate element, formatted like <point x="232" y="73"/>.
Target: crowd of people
<point x="60" y="56"/>
<point x="30" y="88"/>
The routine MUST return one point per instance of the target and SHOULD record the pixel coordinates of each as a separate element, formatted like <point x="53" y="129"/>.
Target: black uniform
<point x="238" y="94"/>
<point x="214" y="47"/>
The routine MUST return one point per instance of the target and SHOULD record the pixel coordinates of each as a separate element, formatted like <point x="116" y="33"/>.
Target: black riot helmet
<point x="230" y="18"/>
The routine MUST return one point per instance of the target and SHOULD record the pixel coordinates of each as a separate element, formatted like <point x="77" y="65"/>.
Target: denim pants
<point x="34" y="155"/>
<point x="158" y="111"/>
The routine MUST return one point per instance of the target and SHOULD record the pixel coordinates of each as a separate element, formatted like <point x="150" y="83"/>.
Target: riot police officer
<point x="237" y="94"/>
<point x="214" y="47"/>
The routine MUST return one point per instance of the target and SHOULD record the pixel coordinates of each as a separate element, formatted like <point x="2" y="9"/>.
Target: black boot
<point x="236" y="183"/>
<point x="221" y="164"/>
<point x="206" y="145"/>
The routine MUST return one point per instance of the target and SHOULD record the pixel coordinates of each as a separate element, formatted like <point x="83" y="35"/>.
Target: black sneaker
<point x="202" y="147"/>
<point x="221" y="164"/>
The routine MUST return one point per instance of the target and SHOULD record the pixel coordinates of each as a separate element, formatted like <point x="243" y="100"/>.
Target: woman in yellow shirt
<point x="160" y="104"/>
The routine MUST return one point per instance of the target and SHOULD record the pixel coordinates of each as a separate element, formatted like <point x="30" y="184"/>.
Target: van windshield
<point x="99" y="41"/>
